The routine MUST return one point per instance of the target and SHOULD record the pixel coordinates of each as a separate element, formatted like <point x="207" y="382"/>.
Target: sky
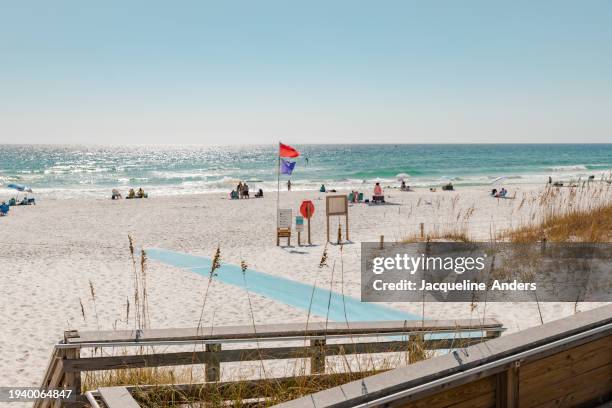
<point x="231" y="72"/>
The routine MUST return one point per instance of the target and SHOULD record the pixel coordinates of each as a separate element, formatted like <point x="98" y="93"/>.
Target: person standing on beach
<point x="239" y="189"/>
<point x="288" y="185"/>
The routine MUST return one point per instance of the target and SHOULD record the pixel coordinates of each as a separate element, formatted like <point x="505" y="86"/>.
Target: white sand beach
<point x="50" y="252"/>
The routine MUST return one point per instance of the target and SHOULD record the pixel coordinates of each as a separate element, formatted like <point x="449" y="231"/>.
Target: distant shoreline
<point x="73" y="171"/>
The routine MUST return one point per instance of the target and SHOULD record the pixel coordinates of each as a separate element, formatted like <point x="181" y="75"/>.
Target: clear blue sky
<point x="307" y="71"/>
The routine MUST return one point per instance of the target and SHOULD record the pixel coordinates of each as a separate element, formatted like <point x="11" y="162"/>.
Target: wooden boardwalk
<point x="318" y="341"/>
<point x="565" y="363"/>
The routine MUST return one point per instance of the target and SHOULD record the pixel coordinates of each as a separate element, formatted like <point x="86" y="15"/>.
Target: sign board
<point x="299" y="223"/>
<point x="307" y="209"/>
<point x="284" y="218"/>
<point x="336" y="205"/>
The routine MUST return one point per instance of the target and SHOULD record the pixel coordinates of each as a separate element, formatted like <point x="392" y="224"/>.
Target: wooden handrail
<point x="281" y="331"/>
<point x="67" y="363"/>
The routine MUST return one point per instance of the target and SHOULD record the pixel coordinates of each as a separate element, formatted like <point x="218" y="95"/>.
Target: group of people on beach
<point x="6" y="205"/>
<point x="502" y="193"/>
<point x="116" y="194"/>
<point x="242" y="191"/>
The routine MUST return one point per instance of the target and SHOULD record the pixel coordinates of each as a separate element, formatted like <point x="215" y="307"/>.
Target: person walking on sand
<point x="239" y="189"/>
<point x="288" y="185"/>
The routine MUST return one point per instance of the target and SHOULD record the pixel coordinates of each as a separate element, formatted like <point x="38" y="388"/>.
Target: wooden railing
<point x="564" y="363"/>
<point x="319" y="341"/>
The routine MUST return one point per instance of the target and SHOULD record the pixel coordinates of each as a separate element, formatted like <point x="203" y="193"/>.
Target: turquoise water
<point x="284" y="290"/>
<point x="67" y="171"/>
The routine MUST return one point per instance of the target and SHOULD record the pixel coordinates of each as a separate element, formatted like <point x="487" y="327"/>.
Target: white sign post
<point x="283" y="229"/>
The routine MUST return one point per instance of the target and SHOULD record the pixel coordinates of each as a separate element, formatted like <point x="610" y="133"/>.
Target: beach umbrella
<point x="20" y="187"/>
<point x="402" y="176"/>
<point x="497" y="180"/>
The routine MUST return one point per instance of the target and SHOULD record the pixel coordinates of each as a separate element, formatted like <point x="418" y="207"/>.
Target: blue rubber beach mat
<point x="325" y="303"/>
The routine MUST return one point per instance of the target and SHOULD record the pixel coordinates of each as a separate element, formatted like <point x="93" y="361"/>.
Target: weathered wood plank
<point x="226" y="356"/>
<point x="573" y="391"/>
<point x="483" y="401"/>
<point x="51" y="375"/>
<point x="72" y="379"/>
<point x="282" y="330"/>
<point x="261" y="388"/>
<point x="507" y="388"/>
<point x="118" y="397"/>
<point x="212" y="370"/>
<point x="456" y="395"/>
<point x="567" y="364"/>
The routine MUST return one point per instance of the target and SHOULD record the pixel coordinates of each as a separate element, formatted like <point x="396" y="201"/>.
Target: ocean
<point x="66" y="171"/>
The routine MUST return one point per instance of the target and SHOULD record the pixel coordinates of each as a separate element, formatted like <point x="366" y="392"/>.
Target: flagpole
<point x="277" y="183"/>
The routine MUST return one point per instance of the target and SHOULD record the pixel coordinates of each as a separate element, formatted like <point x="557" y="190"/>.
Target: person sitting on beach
<point x="131" y="193"/>
<point x="494" y="192"/>
<point x="4" y="208"/>
<point x="234" y="195"/>
<point x="115" y="194"/>
<point x="503" y="192"/>
<point x="405" y="187"/>
<point x="377" y="190"/>
<point x="140" y="193"/>
<point x="448" y="187"/>
<point x="378" y="194"/>
<point x="259" y="193"/>
<point x="322" y="189"/>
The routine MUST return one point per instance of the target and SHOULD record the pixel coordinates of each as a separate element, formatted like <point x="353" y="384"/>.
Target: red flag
<point x="287" y="151"/>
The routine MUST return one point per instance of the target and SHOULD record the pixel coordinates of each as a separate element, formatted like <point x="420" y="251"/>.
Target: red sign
<point x="307" y="209"/>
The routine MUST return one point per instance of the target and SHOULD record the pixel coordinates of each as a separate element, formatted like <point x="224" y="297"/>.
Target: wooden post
<point x="212" y="370"/>
<point x="317" y="361"/>
<point x="299" y="237"/>
<point x="327" y="228"/>
<point x="422" y="230"/>
<point x="382" y="242"/>
<point x="72" y="380"/>
<point x="507" y="387"/>
<point x="308" y="217"/>
<point x="339" y="234"/>
<point x="347" y="225"/>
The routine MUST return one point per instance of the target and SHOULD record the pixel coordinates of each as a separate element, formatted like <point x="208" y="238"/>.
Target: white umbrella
<point x="20" y="187"/>
<point x="402" y="176"/>
<point x="498" y="179"/>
